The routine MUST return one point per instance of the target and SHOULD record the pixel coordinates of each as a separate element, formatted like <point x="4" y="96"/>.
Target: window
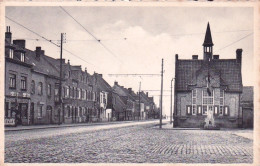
<point x="216" y="110"/>
<point x="40" y="111"/>
<point x="68" y="111"/>
<point x="23" y="82"/>
<point x="226" y="112"/>
<point x="221" y="102"/>
<point x="194" y="95"/>
<point x="204" y="110"/>
<point x="12" y="80"/>
<point x="11" y="53"/>
<point x="83" y="95"/>
<point x="40" y="88"/>
<point x="188" y="110"/>
<point x="22" y="57"/>
<point x="32" y="87"/>
<point x="207" y="101"/>
<point x="221" y="109"/>
<point x="67" y="91"/>
<point x="199" y="110"/>
<point x="49" y="90"/>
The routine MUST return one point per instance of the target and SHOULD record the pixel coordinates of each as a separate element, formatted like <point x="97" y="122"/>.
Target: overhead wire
<point x="98" y="40"/>
<point x="51" y="41"/>
<point x="235" y="42"/>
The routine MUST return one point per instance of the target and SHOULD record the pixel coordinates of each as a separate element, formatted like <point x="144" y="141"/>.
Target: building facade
<point x="208" y="85"/>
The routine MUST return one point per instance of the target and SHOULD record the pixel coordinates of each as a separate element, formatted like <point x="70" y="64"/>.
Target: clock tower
<point x="208" y="45"/>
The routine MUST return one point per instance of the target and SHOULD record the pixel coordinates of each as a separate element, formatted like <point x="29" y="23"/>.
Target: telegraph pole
<point x="161" y="96"/>
<point x="171" y="103"/>
<point x="139" y="100"/>
<point x="60" y="87"/>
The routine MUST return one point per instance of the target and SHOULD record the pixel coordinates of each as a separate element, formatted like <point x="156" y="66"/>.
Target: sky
<point x="133" y="40"/>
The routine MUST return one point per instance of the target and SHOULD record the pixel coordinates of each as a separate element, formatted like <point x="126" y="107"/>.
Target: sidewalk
<point x="34" y="127"/>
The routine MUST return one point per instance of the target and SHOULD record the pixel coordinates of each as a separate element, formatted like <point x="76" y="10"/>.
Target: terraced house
<point x="208" y="85"/>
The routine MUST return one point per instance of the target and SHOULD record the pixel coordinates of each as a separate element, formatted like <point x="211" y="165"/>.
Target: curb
<point x="76" y="125"/>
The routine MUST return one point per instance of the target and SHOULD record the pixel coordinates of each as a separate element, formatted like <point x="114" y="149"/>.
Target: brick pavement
<point x="138" y="144"/>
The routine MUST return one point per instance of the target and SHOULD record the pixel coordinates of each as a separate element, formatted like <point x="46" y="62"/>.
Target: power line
<point x="116" y="75"/>
<point x="32" y="31"/>
<point x="51" y="41"/>
<point x="235" y="41"/>
<point x="98" y="40"/>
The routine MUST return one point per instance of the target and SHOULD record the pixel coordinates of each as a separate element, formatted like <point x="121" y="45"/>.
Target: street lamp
<point x="171" y="103"/>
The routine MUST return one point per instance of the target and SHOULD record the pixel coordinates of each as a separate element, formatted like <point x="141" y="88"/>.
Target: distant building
<point x="247" y="105"/>
<point x="208" y="84"/>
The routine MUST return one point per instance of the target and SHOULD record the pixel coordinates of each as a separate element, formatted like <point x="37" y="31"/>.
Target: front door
<point x="32" y="113"/>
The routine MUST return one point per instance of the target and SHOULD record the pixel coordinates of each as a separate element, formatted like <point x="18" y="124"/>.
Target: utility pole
<point x="60" y="87"/>
<point x="139" y="100"/>
<point x="171" y="103"/>
<point x="161" y="96"/>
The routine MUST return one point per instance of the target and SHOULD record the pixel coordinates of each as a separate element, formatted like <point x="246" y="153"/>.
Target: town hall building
<point x="208" y="85"/>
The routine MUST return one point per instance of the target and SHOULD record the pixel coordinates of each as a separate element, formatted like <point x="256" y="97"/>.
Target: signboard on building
<point x="10" y="122"/>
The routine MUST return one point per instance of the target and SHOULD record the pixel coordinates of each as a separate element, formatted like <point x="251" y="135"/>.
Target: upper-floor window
<point x="12" y="80"/>
<point x="23" y="83"/>
<point x="11" y="53"/>
<point x="32" y="87"/>
<point x="49" y="89"/>
<point x="40" y="88"/>
<point x="22" y="57"/>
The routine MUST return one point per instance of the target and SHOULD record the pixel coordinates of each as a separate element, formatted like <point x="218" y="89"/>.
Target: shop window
<point x="12" y="80"/>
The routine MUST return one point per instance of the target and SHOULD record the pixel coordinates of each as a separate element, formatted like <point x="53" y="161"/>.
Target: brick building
<point x="247" y="105"/>
<point x="208" y="85"/>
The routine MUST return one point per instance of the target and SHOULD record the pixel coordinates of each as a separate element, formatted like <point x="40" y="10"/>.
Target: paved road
<point x="138" y="144"/>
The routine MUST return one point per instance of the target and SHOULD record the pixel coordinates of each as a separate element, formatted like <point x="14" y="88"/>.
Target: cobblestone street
<point x="138" y="144"/>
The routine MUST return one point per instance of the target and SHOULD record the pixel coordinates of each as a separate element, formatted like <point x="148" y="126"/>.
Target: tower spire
<point x="208" y="38"/>
<point x="208" y="45"/>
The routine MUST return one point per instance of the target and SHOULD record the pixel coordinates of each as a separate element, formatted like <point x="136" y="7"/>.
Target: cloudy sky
<point x="137" y="38"/>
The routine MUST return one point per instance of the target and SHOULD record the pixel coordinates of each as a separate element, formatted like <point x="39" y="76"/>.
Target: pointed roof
<point x="208" y="38"/>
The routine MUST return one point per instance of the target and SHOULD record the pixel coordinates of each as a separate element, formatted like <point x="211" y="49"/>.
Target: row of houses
<point x="32" y="91"/>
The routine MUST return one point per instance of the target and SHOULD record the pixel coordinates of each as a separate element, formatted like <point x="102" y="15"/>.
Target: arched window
<point x="40" y="88"/>
<point x="32" y="87"/>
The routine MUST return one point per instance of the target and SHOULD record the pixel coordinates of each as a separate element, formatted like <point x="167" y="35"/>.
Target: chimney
<point x="116" y="83"/>
<point x="129" y="90"/>
<point x="42" y="52"/>
<point x="8" y="35"/>
<point x="215" y="56"/>
<point x="38" y="52"/>
<point x="100" y="75"/>
<point x="194" y="56"/>
<point x="239" y="55"/>
<point x="147" y="94"/>
<point x="20" y="43"/>
<point x="86" y="70"/>
<point x="176" y="57"/>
